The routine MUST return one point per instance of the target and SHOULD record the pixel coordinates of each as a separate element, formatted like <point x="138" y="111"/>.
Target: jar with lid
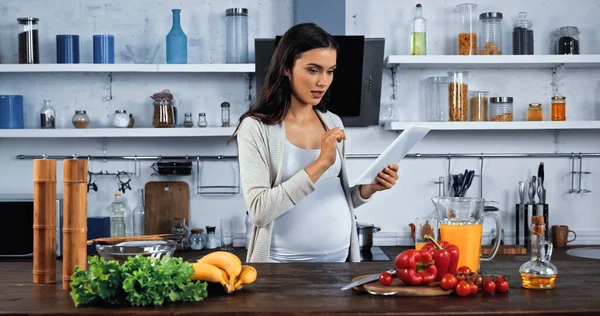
<point x="490" y="33"/>
<point x="164" y="111"/>
<point x="225" y="114"/>
<point x="29" y="47"/>
<point x="501" y="109"/>
<point x="47" y="116"/>
<point x="458" y="106"/>
<point x="559" y="108"/>
<point x="202" y="120"/>
<point x="522" y="36"/>
<point x="121" y="119"/>
<point x="211" y="238"/>
<point x="467" y="29"/>
<point x="197" y="239"/>
<point x="478" y="106"/>
<point x="535" y="112"/>
<point x="567" y="40"/>
<point x="80" y="119"/>
<point x="237" y="35"/>
<point x="187" y="122"/>
<point x="436" y="99"/>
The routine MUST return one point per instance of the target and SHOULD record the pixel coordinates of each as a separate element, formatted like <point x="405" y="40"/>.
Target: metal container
<point x="365" y="235"/>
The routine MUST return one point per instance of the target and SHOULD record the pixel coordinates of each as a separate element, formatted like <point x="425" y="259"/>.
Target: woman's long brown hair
<point x="273" y="101"/>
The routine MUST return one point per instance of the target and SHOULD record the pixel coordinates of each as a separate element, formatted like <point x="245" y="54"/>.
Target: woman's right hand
<point x="329" y="142"/>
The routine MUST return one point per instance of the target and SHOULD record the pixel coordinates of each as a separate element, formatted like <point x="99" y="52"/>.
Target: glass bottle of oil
<point x="538" y="273"/>
<point x="418" y="42"/>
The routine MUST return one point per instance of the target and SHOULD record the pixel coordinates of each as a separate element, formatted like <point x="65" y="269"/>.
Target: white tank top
<point x="318" y="228"/>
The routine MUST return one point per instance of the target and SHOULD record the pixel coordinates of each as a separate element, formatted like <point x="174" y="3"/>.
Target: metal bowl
<point x="120" y="252"/>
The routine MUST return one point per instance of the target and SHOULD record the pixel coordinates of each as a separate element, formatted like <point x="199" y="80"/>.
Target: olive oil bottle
<point x="418" y="37"/>
<point x="538" y="273"/>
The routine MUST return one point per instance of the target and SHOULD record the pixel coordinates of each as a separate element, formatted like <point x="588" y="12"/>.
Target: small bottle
<point x="418" y="36"/>
<point x="535" y="112"/>
<point x="202" y="120"/>
<point x="559" y="108"/>
<point x="117" y="218"/>
<point x="225" y="114"/>
<point x="538" y="273"/>
<point x="138" y="215"/>
<point x="47" y="116"/>
<point x="188" y="120"/>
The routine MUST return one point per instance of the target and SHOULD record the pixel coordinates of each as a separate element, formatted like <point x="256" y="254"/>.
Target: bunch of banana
<point x="225" y="268"/>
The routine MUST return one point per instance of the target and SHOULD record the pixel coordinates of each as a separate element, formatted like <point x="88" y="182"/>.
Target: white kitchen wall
<point x="203" y="21"/>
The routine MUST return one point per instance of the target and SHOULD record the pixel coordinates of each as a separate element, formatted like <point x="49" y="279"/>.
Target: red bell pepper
<point x="444" y="254"/>
<point x="415" y="267"/>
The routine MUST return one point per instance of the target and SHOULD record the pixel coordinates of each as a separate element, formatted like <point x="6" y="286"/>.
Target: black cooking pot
<point x="365" y="235"/>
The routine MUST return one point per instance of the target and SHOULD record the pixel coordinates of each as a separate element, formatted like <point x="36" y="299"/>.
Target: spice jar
<point x="225" y="114"/>
<point x="567" y="40"/>
<point x="559" y="108"/>
<point x="187" y="122"/>
<point x="457" y="96"/>
<point x="490" y="34"/>
<point x="535" y="112"/>
<point x="164" y="111"/>
<point x="29" y="47"/>
<point x="80" y="119"/>
<point x="501" y="109"/>
<point x="202" y="120"/>
<point x="211" y="238"/>
<point x="197" y="239"/>
<point x="121" y="118"/>
<point x="478" y="105"/>
<point x="467" y="34"/>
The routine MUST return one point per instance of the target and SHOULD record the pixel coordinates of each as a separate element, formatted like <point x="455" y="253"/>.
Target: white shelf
<point x="128" y="68"/>
<point x="497" y="61"/>
<point x="117" y="132"/>
<point x="469" y="126"/>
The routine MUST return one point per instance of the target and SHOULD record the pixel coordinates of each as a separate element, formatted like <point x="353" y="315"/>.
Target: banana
<point x="226" y="261"/>
<point x="247" y="276"/>
<point x="210" y="273"/>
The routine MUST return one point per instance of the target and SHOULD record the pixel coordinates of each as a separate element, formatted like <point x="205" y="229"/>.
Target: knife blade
<point x="365" y="280"/>
<point x="541" y="177"/>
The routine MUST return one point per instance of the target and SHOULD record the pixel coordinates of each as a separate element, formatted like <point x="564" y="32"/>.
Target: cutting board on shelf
<point x="399" y="288"/>
<point x="163" y="201"/>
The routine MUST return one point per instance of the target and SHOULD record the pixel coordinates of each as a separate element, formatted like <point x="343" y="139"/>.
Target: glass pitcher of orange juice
<point x="461" y="223"/>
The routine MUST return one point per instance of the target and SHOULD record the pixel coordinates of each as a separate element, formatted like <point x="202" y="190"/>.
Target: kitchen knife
<point x="365" y="280"/>
<point x="521" y="213"/>
<point x="541" y="176"/>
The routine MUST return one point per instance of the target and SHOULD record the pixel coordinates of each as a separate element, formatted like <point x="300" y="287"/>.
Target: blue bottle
<point x="176" y="41"/>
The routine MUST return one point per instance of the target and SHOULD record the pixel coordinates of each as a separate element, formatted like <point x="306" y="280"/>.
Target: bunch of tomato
<point x="466" y="282"/>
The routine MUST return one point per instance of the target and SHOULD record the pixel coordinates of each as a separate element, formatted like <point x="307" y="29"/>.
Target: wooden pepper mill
<point x="44" y="221"/>
<point x="74" y="217"/>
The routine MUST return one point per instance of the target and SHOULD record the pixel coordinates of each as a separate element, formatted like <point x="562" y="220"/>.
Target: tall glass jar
<point x="567" y="40"/>
<point x="237" y="35"/>
<point x="437" y="99"/>
<point x="559" y="108"/>
<point x="522" y="36"/>
<point x="490" y="34"/>
<point x="458" y="104"/>
<point x="478" y="105"/>
<point x="467" y="34"/>
<point x="501" y="109"/>
<point x="29" y="47"/>
<point x="225" y="114"/>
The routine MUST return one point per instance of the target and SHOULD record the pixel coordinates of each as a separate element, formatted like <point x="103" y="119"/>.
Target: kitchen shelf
<point x="469" y="126"/>
<point x="128" y="68"/>
<point x="117" y="132"/>
<point x="497" y="61"/>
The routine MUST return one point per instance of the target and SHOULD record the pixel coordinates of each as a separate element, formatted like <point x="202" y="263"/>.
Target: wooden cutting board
<point x="163" y="201"/>
<point x="505" y="250"/>
<point x="400" y="289"/>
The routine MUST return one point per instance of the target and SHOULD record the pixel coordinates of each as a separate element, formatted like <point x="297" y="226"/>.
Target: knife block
<point x="529" y="210"/>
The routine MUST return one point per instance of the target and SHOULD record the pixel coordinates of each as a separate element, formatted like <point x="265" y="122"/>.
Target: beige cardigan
<point x="261" y="151"/>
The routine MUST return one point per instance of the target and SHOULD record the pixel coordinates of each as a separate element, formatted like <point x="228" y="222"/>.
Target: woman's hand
<point x="386" y="179"/>
<point x="329" y="142"/>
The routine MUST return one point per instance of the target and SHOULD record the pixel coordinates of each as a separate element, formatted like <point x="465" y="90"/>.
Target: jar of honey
<point x="559" y="108"/>
<point x="534" y="112"/>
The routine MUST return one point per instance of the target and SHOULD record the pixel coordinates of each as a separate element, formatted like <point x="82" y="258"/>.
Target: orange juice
<point x="419" y="245"/>
<point x="468" y="240"/>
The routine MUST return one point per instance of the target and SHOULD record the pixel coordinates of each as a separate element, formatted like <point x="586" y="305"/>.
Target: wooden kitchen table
<point x="312" y="288"/>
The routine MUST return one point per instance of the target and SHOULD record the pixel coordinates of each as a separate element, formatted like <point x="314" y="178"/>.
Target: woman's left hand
<point x="385" y="180"/>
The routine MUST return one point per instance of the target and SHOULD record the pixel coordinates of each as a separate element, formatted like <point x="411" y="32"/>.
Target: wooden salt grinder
<point x="44" y="221"/>
<point x="74" y="217"/>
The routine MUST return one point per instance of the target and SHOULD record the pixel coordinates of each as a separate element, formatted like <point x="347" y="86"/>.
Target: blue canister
<point x="11" y="112"/>
<point x="104" y="49"/>
<point x="67" y="49"/>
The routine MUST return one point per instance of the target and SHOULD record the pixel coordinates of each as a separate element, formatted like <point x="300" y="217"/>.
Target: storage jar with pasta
<point x="458" y="104"/>
<point x="490" y="34"/>
<point x="501" y="109"/>
<point x="467" y="34"/>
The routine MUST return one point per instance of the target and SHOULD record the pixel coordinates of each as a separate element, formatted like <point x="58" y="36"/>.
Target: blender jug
<point x="461" y="223"/>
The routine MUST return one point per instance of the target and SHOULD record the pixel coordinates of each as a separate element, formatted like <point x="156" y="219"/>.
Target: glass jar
<point x="467" y="34"/>
<point x="535" y="112"/>
<point x="567" y="40"/>
<point x="29" y="47"/>
<point x="179" y="227"/>
<point x="225" y="114"/>
<point x="164" y="114"/>
<point x="501" y="109"/>
<point x="121" y="119"/>
<point x="237" y="35"/>
<point x="202" y="120"/>
<point x="490" y="33"/>
<point x="559" y="108"/>
<point x="211" y="237"/>
<point x="437" y="99"/>
<point x="187" y="122"/>
<point x="458" y="107"/>
<point x="478" y="106"/>
<point x="47" y="116"/>
<point x="197" y="239"/>
<point x="522" y="36"/>
<point x="80" y="119"/>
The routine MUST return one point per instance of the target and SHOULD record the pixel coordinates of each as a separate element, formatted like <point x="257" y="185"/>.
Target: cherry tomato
<point x="501" y="285"/>
<point x="488" y="286"/>
<point x="448" y="282"/>
<point x="464" y="269"/>
<point x="463" y="288"/>
<point x="474" y="288"/>
<point x="461" y="276"/>
<point x="478" y="280"/>
<point x="385" y="278"/>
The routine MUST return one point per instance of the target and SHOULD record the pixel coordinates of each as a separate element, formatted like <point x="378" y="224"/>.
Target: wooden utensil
<point x="164" y="201"/>
<point x="399" y="288"/>
<point x="120" y="239"/>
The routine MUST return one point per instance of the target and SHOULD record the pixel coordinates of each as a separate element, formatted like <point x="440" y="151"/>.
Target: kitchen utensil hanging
<point x="216" y="189"/>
